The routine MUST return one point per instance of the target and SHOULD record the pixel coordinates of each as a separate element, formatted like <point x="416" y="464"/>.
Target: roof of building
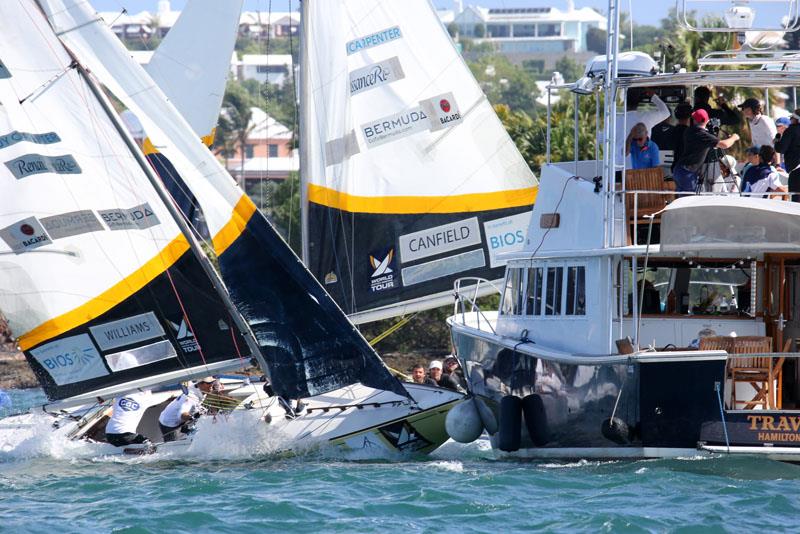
<point x="265" y="127"/>
<point x="266" y="165"/>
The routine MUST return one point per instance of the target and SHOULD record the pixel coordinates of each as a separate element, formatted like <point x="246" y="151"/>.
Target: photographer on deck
<point x="697" y="141"/>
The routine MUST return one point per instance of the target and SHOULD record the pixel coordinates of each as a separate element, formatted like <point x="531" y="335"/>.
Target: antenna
<point x="739" y="16"/>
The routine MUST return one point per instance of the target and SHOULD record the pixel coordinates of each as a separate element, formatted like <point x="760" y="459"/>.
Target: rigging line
<point x="392" y="329"/>
<point x="36" y="93"/>
<point x="294" y="125"/>
<point x="186" y="317"/>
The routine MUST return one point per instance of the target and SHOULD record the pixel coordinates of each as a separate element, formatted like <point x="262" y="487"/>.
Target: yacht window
<point x="533" y="298"/>
<point x="512" y="297"/>
<point x="554" y="280"/>
<point x="576" y="290"/>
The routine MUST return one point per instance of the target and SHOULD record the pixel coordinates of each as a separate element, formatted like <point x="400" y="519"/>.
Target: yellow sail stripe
<point x="422" y="204"/>
<point x="109" y="298"/>
<point x="242" y="213"/>
<point x="149" y="148"/>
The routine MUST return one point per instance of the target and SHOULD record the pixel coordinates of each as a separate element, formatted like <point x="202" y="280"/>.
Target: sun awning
<point x="731" y="225"/>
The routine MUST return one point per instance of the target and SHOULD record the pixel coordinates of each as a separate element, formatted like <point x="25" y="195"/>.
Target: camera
<point x="713" y="126"/>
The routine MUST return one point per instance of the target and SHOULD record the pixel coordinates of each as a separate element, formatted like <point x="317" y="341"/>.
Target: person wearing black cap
<point x="696" y="144"/>
<point x="762" y="128"/>
<point x="723" y="112"/>
<point x="788" y="144"/>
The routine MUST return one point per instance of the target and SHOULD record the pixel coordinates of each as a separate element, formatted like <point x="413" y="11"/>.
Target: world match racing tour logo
<point x="383" y="267"/>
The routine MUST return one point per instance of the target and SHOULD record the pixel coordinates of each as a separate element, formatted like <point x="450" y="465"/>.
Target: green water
<point x="48" y="487"/>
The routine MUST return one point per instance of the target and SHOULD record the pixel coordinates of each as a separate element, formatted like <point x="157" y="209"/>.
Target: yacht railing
<point x="467" y="291"/>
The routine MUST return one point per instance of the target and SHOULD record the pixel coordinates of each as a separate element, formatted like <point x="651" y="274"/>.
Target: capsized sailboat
<point x="409" y="179"/>
<point x="298" y="333"/>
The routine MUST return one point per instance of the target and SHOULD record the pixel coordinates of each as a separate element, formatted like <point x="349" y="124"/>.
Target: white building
<point x="527" y="32"/>
<point x="273" y="68"/>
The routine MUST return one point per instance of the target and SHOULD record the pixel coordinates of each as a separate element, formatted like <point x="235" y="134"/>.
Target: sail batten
<point x="411" y="180"/>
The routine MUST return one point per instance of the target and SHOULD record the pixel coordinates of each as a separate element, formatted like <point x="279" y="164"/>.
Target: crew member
<point x="418" y="376"/>
<point x="127" y="412"/>
<point x="787" y="142"/>
<point x="696" y="144"/>
<point x="184" y="408"/>
<point x="762" y="127"/>
<point x="723" y="112"/>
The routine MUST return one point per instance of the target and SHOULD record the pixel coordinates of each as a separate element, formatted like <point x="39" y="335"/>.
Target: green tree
<point x="506" y="83"/>
<point x="284" y="211"/>
<point x="235" y="122"/>
<point x="452" y="29"/>
<point x="596" y="40"/>
<point x="570" y="69"/>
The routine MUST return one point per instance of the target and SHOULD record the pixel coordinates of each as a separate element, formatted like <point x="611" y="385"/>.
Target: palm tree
<point x="235" y="125"/>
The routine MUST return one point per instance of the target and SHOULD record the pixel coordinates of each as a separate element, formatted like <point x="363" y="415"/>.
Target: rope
<point x="392" y="329"/>
<point x="722" y="415"/>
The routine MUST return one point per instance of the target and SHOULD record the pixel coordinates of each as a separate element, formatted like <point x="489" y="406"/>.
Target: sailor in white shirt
<point x="762" y="128"/>
<point x="183" y="408"/>
<point x="125" y="416"/>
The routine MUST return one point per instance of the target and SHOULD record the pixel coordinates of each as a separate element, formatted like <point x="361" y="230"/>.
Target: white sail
<point x="192" y="63"/>
<point x="404" y="157"/>
<point x="94" y="269"/>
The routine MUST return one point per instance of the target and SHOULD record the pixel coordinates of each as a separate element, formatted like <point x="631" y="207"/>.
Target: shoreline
<point x="15" y="373"/>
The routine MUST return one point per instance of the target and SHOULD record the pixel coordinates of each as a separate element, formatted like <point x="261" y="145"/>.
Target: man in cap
<point x="751" y="159"/>
<point x="762" y="128"/>
<point x="184" y="408"/>
<point x="787" y="142"/>
<point x="728" y="180"/>
<point x="437" y="375"/>
<point x="696" y="143"/>
<point x="451" y="368"/>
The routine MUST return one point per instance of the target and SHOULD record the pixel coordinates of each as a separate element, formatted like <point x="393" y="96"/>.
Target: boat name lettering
<point x="127" y="331"/>
<point x="17" y="137"/>
<point x="31" y="164"/>
<point x="70" y="359"/>
<point x="375" y="75"/>
<point x="72" y="223"/>
<point x="782" y="423"/>
<point x="395" y="126"/>
<point x="136" y="218"/>
<point x="439" y="239"/>
<point x="25" y="235"/>
<point x="374" y="39"/>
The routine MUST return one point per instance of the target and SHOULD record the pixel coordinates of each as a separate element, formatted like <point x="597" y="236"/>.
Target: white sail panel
<point x="410" y="178"/>
<point x="225" y="207"/>
<point x="81" y="228"/>
<point x="397" y="122"/>
<point x="192" y="63"/>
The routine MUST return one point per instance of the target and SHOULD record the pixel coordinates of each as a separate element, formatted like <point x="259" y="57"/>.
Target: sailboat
<point x="408" y="178"/>
<point x="287" y="321"/>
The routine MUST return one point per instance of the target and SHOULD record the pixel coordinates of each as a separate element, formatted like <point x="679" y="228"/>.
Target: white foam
<point x="454" y="466"/>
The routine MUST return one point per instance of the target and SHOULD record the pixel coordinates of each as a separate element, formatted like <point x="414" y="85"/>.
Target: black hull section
<point x="664" y="405"/>
<point x="205" y="334"/>
<point x="345" y="250"/>
<point x="309" y="344"/>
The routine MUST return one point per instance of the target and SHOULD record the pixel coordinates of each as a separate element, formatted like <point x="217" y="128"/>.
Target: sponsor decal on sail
<point x="25" y="235"/>
<point x="376" y="75"/>
<point x="439" y="239"/>
<point x="383" y="267"/>
<point x="185" y="336"/>
<point x="17" y="137"/>
<point x="506" y="235"/>
<point x="442" y="110"/>
<point x="374" y="39"/>
<point x="127" y="331"/>
<point x="131" y="358"/>
<point x="393" y="127"/>
<point x="139" y="217"/>
<point x="425" y="272"/>
<point x="71" y="359"/>
<point x="31" y="164"/>
<point x="72" y="223"/>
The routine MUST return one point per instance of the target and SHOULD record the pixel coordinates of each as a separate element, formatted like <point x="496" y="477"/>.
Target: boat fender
<point x="488" y="418"/>
<point x="509" y="434"/>
<point x="616" y="430"/>
<point x="463" y="423"/>
<point x="536" y="419"/>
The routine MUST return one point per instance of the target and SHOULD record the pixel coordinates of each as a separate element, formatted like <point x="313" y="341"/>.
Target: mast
<point x="304" y="148"/>
<point x="155" y="181"/>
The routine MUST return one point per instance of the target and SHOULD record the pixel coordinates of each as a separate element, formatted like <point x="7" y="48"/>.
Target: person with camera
<point x="787" y="142"/>
<point x="762" y="127"/>
<point x="723" y="112"/>
<point x="697" y="141"/>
